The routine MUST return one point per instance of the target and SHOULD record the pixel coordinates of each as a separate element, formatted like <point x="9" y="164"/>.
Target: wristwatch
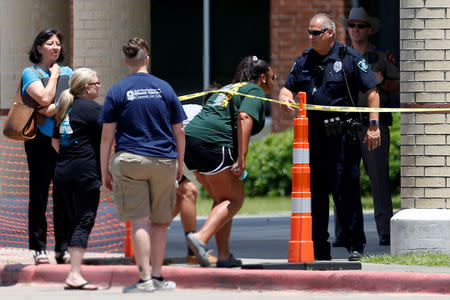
<point x="374" y="122"/>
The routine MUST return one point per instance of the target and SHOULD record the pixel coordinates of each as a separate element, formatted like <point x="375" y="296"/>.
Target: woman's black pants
<point x="41" y="158"/>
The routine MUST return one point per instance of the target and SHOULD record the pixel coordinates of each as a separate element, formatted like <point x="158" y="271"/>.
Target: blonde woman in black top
<point x="76" y="137"/>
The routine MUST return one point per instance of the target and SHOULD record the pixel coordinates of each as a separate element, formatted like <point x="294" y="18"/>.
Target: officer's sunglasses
<point x="360" y="26"/>
<point x="317" y="32"/>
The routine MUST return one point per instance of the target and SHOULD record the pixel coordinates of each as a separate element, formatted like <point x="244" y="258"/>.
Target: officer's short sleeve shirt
<point x="322" y="77"/>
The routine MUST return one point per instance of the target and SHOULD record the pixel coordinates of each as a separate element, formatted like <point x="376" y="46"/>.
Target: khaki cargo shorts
<point x="144" y="186"/>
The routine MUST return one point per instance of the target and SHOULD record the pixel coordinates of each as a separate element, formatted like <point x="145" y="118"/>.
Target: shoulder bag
<point x="22" y="117"/>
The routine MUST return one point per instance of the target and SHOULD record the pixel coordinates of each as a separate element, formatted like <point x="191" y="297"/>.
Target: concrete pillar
<point x="420" y="231"/>
<point x="425" y="140"/>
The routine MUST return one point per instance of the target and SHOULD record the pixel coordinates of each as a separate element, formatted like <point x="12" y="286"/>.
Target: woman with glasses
<point x="216" y="148"/>
<point x="76" y="137"/>
<point x="43" y="82"/>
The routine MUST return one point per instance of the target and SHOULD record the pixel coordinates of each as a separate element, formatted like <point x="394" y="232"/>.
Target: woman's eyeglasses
<point x="317" y="32"/>
<point x="96" y="83"/>
<point x="360" y="26"/>
<point x="274" y="77"/>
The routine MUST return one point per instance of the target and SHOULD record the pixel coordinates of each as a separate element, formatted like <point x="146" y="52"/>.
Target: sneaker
<point x="40" y="258"/>
<point x="62" y="258"/>
<point x="199" y="250"/>
<point x="192" y="260"/>
<point x="231" y="262"/>
<point x="165" y="285"/>
<point x="140" y="287"/>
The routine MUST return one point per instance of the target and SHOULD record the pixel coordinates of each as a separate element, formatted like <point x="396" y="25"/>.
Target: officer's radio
<point x="351" y="124"/>
<point x="347" y="125"/>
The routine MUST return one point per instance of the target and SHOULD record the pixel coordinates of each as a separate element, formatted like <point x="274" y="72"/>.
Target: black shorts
<point x="183" y="178"/>
<point x="207" y="158"/>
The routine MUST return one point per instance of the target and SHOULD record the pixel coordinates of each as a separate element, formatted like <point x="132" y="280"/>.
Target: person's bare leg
<point x="158" y="236"/>
<point x="187" y="194"/>
<point x="76" y="259"/>
<point x="140" y="235"/>
<point x="228" y="193"/>
<point x="201" y="178"/>
<point x="222" y="241"/>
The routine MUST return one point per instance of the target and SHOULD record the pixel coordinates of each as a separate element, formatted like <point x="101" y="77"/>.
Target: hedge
<point x="269" y="164"/>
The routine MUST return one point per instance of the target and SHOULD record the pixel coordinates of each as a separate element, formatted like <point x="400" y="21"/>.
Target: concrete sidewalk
<point x="115" y="270"/>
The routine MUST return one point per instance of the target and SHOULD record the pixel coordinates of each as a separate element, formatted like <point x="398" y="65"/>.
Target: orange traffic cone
<point x="128" y="247"/>
<point x="301" y="247"/>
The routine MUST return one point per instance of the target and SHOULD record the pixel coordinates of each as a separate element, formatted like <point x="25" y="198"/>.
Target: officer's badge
<point x="363" y="65"/>
<point x="337" y="66"/>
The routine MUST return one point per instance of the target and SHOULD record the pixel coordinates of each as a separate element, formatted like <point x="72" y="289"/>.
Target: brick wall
<point x="289" y="22"/>
<point x="100" y="27"/>
<point x="21" y="21"/>
<point x="425" y="70"/>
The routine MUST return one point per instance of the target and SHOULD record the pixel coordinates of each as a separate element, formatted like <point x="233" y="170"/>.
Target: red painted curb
<point x="192" y="277"/>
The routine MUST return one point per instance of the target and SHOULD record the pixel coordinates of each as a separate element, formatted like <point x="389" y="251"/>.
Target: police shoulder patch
<point x="363" y="65"/>
<point x="391" y="58"/>
<point x="292" y="68"/>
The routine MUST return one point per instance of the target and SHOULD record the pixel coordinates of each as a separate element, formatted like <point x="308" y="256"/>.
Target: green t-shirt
<point x="213" y="123"/>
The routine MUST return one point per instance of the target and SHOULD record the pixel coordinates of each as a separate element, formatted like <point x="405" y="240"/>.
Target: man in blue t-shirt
<point x="145" y="117"/>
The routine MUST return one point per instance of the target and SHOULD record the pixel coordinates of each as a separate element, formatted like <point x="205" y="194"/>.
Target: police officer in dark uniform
<point x="333" y="74"/>
<point x="361" y="27"/>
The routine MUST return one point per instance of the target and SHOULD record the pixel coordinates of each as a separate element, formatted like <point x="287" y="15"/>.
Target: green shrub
<point x="394" y="155"/>
<point x="269" y="165"/>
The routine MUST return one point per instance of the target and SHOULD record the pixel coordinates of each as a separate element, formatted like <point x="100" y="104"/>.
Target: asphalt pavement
<point x="267" y="237"/>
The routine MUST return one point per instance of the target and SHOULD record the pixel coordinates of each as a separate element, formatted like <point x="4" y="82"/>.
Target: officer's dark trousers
<point x="333" y="164"/>
<point x="376" y="163"/>
<point x="41" y="159"/>
<point x="348" y="200"/>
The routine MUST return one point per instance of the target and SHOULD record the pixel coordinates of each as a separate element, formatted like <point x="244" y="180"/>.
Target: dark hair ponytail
<point x="250" y="69"/>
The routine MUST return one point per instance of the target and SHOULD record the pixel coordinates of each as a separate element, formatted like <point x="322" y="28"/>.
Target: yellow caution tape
<point x="321" y="107"/>
<point x="191" y="96"/>
<point x="370" y="109"/>
<point x="195" y="95"/>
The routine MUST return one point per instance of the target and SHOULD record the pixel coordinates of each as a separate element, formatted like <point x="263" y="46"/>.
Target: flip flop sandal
<point x="85" y="286"/>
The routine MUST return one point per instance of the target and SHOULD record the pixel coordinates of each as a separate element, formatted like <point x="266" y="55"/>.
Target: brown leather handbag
<point x="22" y="117"/>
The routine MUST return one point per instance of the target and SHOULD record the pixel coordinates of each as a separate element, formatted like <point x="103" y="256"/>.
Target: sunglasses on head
<point x="317" y="32"/>
<point x="360" y="26"/>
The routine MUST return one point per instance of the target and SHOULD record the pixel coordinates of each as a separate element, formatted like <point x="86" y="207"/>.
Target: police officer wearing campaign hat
<point x="333" y="74"/>
<point x="361" y="27"/>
